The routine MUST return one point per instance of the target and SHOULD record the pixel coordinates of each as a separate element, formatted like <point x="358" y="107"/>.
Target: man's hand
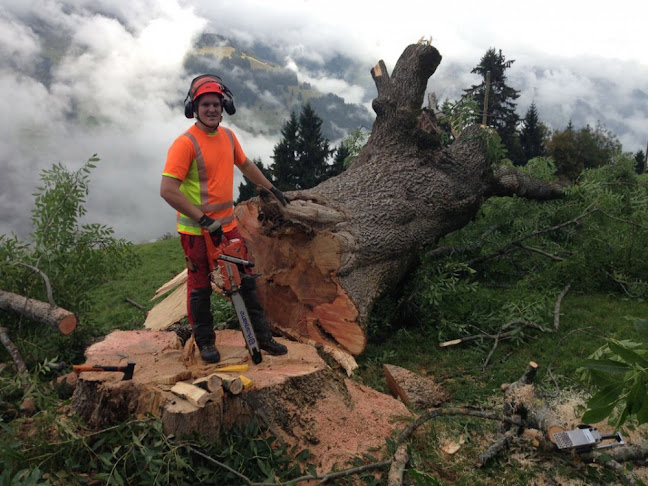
<point x="279" y="195"/>
<point x="214" y="227"/>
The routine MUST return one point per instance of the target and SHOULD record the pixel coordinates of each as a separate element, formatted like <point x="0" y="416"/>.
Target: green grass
<point x="159" y="263"/>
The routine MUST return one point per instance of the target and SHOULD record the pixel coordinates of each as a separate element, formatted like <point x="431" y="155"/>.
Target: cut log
<point x="413" y="389"/>
<point x="303" y="401"/>
<point x="211" y="383"/>
<point x="57" y="318"/>
<point x="232" y="385"/>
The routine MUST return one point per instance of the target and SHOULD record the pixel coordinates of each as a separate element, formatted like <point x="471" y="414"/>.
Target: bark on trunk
<point x="60" y="319"/>
<point x="327" y="256"/>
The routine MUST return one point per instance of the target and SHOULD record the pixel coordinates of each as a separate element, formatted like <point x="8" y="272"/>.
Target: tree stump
<point x="303" y="401"/>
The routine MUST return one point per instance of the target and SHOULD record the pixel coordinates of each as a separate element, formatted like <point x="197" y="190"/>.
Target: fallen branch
<point x="516" y="243"/>
<point x="541" y="252"/>
<point x="557" y="306"/>
<point x="444" y="251"/>
<point x="13" y="351"/>
<point x="493" y="451"/>
<point x="399" y="461"/>
<point x="610" y="463"/>
<point x="135" y="304"/>
<point x="57" y="318"/>
<point x="509" y="324"/>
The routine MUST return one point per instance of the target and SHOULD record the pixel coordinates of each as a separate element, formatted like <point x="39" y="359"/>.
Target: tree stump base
<point x="297" y="395"/>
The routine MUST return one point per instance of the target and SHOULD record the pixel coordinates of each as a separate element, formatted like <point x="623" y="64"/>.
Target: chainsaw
<point x="226" y="264"/>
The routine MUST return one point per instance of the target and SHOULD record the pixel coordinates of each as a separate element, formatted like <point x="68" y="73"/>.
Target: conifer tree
<point x="247" y="189"/>
<point x="500" y="110"/>
<point x="532" y="134"/>
<point x="640" y="159"/>
<point x="285" y="156"/>
<point x="301" y="156"/>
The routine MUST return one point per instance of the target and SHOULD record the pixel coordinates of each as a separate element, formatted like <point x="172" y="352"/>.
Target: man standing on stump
<point x="198" y="182"/>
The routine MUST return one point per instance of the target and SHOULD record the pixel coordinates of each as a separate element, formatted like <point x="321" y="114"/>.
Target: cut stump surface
<point x="304" y="402"/>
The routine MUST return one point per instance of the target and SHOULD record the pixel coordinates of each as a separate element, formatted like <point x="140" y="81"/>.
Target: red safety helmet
<point x="208" y="83"/>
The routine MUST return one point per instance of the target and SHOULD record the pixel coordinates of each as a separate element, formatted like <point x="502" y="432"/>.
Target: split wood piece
<point x="57" y="318"/>
<point x="231" y="385"/>
<point x="413" y="389"/>
<point x="173" y="379"/>
<point x="193" y="394"/>
<point x="343" y="358"/>
<point x="169" y="311"/>
<point x="171" y="284"/>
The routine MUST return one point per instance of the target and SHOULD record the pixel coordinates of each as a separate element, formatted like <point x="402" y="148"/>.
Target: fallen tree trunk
<point x="327" y="256"/>
<point x="57" y="318"/>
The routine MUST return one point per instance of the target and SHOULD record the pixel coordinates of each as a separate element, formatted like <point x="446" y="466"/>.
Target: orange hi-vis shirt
<point x="204" y="162"/>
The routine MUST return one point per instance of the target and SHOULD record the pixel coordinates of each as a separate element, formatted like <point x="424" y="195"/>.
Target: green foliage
<point x="619" y="371"/>
<point x="74" y="257"/>
<point x="53" y="450"/>
<point x="455" y="117"/>
<point x="593" y="239"/>
<point x="587" y="148"/>
<point x="353" y="144"/>
<point x="494" y="148"/>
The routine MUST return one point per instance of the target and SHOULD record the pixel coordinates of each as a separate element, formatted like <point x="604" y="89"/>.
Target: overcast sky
<point x="125" y="79"/>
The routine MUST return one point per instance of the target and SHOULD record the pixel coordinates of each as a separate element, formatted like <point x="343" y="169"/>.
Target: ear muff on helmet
<point x="208" y="83"/>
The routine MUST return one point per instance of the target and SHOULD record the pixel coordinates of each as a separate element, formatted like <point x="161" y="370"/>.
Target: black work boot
<point x="203" y="325"/>
<point x="259" y="322"/>
<point x="209" y="353"/>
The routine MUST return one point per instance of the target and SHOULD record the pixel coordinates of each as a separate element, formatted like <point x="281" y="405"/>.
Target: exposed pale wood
<point x="413" y="389"/>
<point x="171" y="284"/>
<point x="171" y="310"/>
<point x="175" y="378"/>
<point x="57" y="318"/>
<point x="343" y="358"/>
<point x="193" y="394"/>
